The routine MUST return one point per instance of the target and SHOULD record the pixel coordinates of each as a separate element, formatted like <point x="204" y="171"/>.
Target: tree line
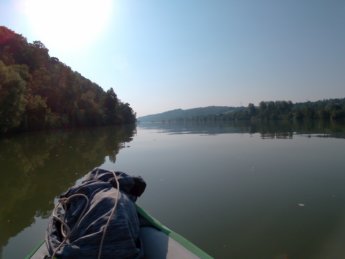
<point x="325" y="110"/>
<point x="40" y="92"/>
<point x="330" y="110"/>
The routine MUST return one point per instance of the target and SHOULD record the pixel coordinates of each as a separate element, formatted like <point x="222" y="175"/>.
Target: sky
<point x="163" y="55"/>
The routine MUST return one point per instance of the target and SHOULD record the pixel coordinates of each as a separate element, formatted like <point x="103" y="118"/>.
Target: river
<point x="235" y="190"/>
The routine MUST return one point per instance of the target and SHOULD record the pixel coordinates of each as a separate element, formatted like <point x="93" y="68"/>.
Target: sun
<point x="68" y="25"/>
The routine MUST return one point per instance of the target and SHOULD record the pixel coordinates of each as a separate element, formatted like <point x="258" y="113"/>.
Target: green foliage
<point x="40" y="92"/>
<point x="12" y="100"/>
<point x="36" y="112"/>
<point x="111" y="107"/>
<point x="126" y="113"/>
<point x="326" y="110"/>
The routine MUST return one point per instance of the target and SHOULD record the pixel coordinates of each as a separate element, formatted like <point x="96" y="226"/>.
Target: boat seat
<point x="158" y="245"/>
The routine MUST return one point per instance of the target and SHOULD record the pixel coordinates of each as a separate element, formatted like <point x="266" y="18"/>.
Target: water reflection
<point x="278" y="129"/>
<point x="36" y="167"/>
<point x="253" y="194"/>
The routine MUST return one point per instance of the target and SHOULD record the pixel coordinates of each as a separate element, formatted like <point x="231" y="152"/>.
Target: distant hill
<point x="325" y="110"/>
<point x="188" y="114"/>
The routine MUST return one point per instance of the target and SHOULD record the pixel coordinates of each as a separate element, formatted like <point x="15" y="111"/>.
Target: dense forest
<point x="325" y="110"/>
<point x="40" y="92"/>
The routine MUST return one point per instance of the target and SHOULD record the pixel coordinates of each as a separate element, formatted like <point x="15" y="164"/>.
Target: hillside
<point x="325" y="110"/>
<point x="40" y="92"/>
<point x="188" y="114"/>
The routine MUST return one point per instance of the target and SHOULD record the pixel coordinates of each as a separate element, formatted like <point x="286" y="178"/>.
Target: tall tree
<point x="111" y="104"/>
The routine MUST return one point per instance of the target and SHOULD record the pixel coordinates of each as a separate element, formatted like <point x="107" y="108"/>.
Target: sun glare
<point x="67" y="24"/>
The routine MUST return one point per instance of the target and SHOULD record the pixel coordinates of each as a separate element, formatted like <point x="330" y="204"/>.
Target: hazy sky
<point x="161" y="55"/>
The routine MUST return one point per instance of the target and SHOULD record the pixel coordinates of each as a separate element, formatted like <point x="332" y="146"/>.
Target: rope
<point x="65" y="229"/>
<point x="110" y="216"/>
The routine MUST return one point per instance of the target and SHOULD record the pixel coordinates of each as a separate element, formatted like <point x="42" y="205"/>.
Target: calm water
<point x="237" y="191"/>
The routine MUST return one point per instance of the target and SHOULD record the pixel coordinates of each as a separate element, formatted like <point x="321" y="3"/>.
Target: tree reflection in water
<point x="36" y="167"/>
<point x="269" y="129"/>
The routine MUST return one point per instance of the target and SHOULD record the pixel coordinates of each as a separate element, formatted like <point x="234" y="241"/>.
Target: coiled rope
<point x="65" y="229"/>
<point x="110" y="216"/>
